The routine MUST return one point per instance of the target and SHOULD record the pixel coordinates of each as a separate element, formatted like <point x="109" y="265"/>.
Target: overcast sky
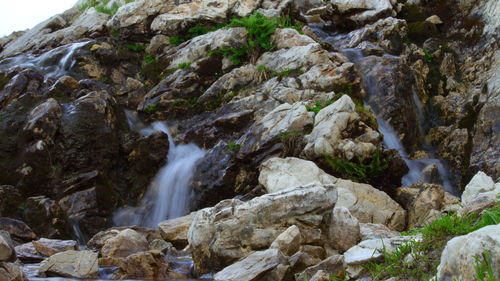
<point x="22" y="14"/>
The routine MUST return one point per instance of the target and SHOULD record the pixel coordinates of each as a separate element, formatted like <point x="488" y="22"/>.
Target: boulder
<point x="481" y="185"/>
<point x="329" y="126"/>
<point x="362" y="11"/>
<point x="283" y="118"/>
<point x="27" y="253"/>
<point x="375" y="231"/>
<point x="17" y="229"/>
<point x="372" y="250"/>
<point x="175" y="230"/>
<point x="11" y="272"/>
<point x="344" y="230"/>
<point x="125" y="243"/>
<point x="288" y="242"/>
<point x="46" y="217"/>
<point x="7" y="252"/>
<point x="253" y="267"/>
<point x="367" y="204"/>
<point x="232" y="229"/>
<point x="333" y="265"/>
<point x="320" y="276"/>
<point x="289" y="37"/>
<point x="295" y="58"/>
<point x="143" y="265"/>
<point x="71" y="264"/>
<point x="100" y="239"/>
<point x="462" y="253"/>
<point x="50" y="247"/>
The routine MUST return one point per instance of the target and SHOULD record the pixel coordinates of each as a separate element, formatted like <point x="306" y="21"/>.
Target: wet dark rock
<point x="10" y="201"/>
<point x="46" y="217"/>
<point x="17" y="229"/>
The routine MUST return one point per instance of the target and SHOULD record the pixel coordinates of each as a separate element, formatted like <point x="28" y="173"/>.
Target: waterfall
<point x="169" y="194"/>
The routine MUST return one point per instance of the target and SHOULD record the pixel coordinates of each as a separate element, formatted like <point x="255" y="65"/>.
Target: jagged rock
<point x="255" y="223"/>
<point x="320" y="276"/>
<point x="237" y="78"/>
<point x="344" y="230"/>
<point x="366" y="203"/>
<point x="327" y="77"/>
<point x="17" y="229"/>
<point x="143" y="265"/>
<point x="79" y="202"/>
<point x="294" y="58"/>
<point x="50" y="247"/>
<point x="302" y="260"/>
<point x="481" y="185"/>
<point x="253" y="266"/>
<point x="375" y="231"/>
<point x="11" y="272"/>
<point x="288" y="242"/>
<point x="7" y="252"/>
<point x="27" y="253"/>
<point x="329" y="124"/>
<point x="160" y="245"/>
<point x="361" y="11"/>
<point x="176" y="230"/>
<point x="458" y="257"/>
<point x="100" y="239"/>
<point x="72" y="264"/>
<point x="125" y="243"/>
<point x="430" y="197"/>
<point x="371" y="250"/>
<point x="288" y="38"/>
<point x="332" y="265"/>
<point x="46" y="217"/>
<point x="284" y="118"/>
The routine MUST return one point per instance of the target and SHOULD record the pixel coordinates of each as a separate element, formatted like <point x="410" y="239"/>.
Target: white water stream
<point x="169" y="194"/>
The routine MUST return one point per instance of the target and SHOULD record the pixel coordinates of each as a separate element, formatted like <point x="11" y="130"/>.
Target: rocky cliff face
<point x="330" y="101"/>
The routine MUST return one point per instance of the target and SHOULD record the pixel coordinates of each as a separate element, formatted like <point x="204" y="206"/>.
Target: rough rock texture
<point x="344" y="229"/>
<point x="7" y="252"/>
<point x="332" y="265"/>
<point x="72" y="264"/>
<point x="457" y="259"/>
<point x="143" y="265"/>
<point x="11" y="272"/>
<point x="255" y="224"/>
<point x="288" y="242"/>
<point x="253" y="267"/>
<point x="364" y="202"/>
<point x="17" y="229"/>
<point x="125" y="243"/>
<point x="49" y="247"/>
<point x="481" y="185"/>
<point x="175" y="230"/>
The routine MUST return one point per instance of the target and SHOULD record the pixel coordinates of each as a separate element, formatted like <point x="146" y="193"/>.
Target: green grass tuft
<point x="151" y="108"/>
<point x="358" y="170"/>
<point x="184" y="65"/>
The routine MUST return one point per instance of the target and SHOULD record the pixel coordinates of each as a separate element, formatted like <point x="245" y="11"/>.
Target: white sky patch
<point x="18" y="15"/>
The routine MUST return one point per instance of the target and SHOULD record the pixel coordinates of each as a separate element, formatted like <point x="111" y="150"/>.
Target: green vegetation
<point x="318" y="106"/>
<point x="149" y="59"/>
<point x="151" y="108"/>
<point x="136" y="47"/>
<point x="220" y="99"/>
<point x="428" y="57"/>
<point x="426" y="253"/>
<point x="235" y="54"/>
<point x="193" y="32"/>
<point x="290" y="134"/>
<point x="358" y="170"/>
<point x="184" y="65"/>
<point x="233" y="146"/>
<point x="484" y="270"/>
<point x="102" y="6"/>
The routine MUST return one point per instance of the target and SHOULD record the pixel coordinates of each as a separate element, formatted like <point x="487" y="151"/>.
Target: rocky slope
<point x="329" y="126"/>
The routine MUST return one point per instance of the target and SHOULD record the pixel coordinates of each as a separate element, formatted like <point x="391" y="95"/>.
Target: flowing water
<point x="52" y="64"/>
<point x="169" y="194"/>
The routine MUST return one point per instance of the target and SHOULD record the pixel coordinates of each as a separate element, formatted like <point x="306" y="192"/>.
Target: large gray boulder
<point x="252" y="267"/>
<point x="232" y="229"/>
<point x="72" y="264"/>
<point x="458" y="257"/>
<point x="480" y="187"/>
<point x="366" y="203"/>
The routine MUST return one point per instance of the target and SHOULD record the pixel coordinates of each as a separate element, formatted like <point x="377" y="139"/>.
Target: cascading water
<point x="169" y="194"/>
<point x="52" y="64"/>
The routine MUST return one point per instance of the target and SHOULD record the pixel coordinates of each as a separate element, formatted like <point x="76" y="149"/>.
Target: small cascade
<point x="391" y="139"/>
<point x="169" y="194"/>
<point x="52" y="64"/>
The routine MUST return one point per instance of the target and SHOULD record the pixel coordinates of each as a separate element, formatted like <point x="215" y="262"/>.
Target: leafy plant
<point x="108" y="10"/>
<point x="233" y="146"/>
<point x="184" y="65"/>
<point x="151" y="108"/>
<point x="319" y="105"/>
<point x="484" y="270"/>
<point x="259" y="29"/>
<point x="175" y="40"/>
<point x="359" y="170"/>
<point x="149" y="59"/>
<point x="136" y="47"/>
<point x="428" y="57"/>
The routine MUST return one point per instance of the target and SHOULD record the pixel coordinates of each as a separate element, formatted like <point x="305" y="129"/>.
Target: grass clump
<point x="184" y="65"/>
<point x="426" y="253"/>
<point x="233" y="146"/>
<point x="151" y="108"/>
<point x="149" y="59"/>
<point x="358" y="170"/>
<point x="136" y="47"/>
<point x="102" y="6"/>
<point x="318" y="106"/>
<point x="237" y="55"/>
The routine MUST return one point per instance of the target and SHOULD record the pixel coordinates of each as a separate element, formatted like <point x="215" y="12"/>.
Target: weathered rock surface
<point x="143" y="265"/>
<point x="11" y="272"/>
<point x="176" y="230"/>
<point x="125" y="243"/>
<point x="49" y="247"/>
<point x="481" y="185"/>
<point x="17" y="229"/>
<point x="253" y="267"/>
<point x="232" y="229"/>
<point x="7" y="252"/>
<point x="288" y="242"/>
<point x="344" y="229"/>
<point x="457" y="259"/>
<point x="366" y="203"/>
<point x="72" y="264"/>
<point x="332" y="265"/>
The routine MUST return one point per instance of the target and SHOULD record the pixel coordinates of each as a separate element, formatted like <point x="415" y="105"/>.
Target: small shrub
<point x="184" y="65"/>
<point x="428" y="57"/>
<point x="151" y="108"/>
<point x="149" y="59"/>
<point x="233" y="146"/>
<point x="359" y="170"/>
